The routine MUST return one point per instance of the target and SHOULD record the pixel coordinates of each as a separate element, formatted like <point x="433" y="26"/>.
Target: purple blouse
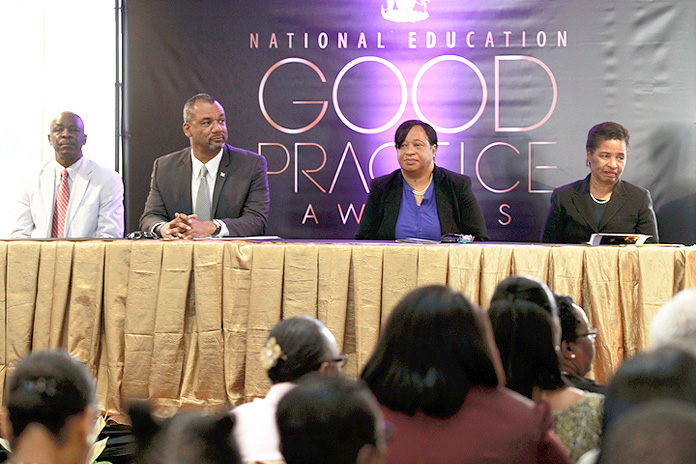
<point x="415" y="221"/>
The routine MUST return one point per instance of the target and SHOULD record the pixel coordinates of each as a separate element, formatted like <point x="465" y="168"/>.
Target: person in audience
<point x="525" y="287"/>
<point x="421" y="199"/>
<point x="601" y="202"/>
<point x="528" y="338"/>
<point x="294" y="347"/>
<point x="577" y="345"/>
<point x="675" y="322"/>
<point x="185" y="438"/>
<point x="51" y="409"/>
<point x="665" y="372"/>
<point x="658" y="432"/>
<point x="330" y="420"/>
<point x="436" y="373"/>
<point x="69" y="196"/>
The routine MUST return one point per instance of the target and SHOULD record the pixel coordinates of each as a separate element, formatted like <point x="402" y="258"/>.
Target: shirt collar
<point x="213" y="165"/>
<point x="72" y="169"/>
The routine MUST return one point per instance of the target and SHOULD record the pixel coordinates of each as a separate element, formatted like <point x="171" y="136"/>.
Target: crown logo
<point x="405" y="11"/>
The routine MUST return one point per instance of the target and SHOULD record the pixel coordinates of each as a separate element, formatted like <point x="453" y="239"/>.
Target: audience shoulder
<point x="530" y="417"/>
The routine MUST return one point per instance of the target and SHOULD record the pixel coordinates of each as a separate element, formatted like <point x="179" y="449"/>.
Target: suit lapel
<point x="47" y="185"/>
<point x="391" y="204"/>
<point x="618" y="198"/>
<point x="182" y="183"/>
<point x="583" y="203"/>
<point x="446" y="211"/>
<point x="82" y="178"/>
<point x="222" y="175"/>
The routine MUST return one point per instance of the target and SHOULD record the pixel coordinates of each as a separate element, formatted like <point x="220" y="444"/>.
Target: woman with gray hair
<point x="675" y="322"/>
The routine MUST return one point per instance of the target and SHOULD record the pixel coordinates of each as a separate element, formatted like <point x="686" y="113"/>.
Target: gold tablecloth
<point x="181" y="323"/>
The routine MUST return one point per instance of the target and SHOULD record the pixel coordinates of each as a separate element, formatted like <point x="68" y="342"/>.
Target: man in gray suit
<point x="209" y="189"/>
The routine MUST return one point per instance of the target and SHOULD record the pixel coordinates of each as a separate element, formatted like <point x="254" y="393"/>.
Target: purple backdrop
<point x="512" y="87"/>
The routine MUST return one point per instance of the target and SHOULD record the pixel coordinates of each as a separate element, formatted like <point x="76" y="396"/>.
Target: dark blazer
<point x="240" y="196"/>
<point x="571" y="216"/>
<point x="585" y="384"/>
<point x="457" y="207"/>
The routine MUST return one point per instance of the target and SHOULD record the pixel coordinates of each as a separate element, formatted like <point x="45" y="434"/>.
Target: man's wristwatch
<point x="218" y="223"/>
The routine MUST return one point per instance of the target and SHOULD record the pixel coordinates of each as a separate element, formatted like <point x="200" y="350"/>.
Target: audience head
<point x="577" y="337"/>
<point x="657" y="432"/>
<point x="433" y="347"/>
<point x="297" y="346"/>
<point x="675" y="323"/>
<point x="330" y="419"/>
<point x="52" y="393"/>
<point x="186" y="438"/>
<point x="665" y="372"/>
<point x="528" y="288"/>
<point x="525" y="337"/>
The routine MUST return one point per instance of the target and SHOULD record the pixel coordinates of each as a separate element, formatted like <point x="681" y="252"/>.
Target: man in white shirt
<point x="70" y="196"/>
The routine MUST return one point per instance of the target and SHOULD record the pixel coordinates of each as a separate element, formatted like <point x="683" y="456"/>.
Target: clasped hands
<point x="187" y="227"/>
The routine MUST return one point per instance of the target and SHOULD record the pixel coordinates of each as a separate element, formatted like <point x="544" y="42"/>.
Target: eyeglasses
<point x="592" y="334"/>
<point x="341" y="360"/>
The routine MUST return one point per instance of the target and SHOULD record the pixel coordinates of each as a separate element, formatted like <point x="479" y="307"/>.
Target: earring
<point x="572" y="355"/>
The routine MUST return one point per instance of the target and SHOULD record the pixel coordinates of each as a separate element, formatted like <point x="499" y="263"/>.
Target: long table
<point x="182" y="323"/>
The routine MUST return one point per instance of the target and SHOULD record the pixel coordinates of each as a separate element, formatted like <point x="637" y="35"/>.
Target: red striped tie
<point x="58" y="230"/>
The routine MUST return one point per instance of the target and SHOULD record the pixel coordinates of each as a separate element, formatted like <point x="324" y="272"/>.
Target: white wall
<point x="56" y="55"/>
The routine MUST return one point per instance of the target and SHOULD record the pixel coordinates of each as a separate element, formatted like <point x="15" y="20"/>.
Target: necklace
<point x="599" y="202"/>
<point x="422" y="192"/>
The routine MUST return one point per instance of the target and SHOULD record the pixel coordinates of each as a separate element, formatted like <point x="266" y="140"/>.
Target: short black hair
<point x="406" y="127"/>
<point x="326" y="419"/>
<point x="303" y="345"/>
<point x="524" y="334"/>
<point x="185" y="438"/>
<point x="569" y="320"/>
<point x="528" y="288"/>
<point x="665" y="372"/>
<point x="48" y="387"/>
<point x="431" y="351"/>
<point x="191" y="102"/>
<point x="606" y="131"/>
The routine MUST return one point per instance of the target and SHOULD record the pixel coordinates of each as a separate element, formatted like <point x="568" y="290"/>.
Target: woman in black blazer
<point x="420" y="200"/>
<point x="601" y="202"/>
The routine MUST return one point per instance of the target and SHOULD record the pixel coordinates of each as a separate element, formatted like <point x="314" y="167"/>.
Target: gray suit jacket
<point x="571" y="219"/>
<point x="240" y="197"/>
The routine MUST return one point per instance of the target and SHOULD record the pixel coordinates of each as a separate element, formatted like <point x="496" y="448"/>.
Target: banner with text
<point x="511" y="87"/>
